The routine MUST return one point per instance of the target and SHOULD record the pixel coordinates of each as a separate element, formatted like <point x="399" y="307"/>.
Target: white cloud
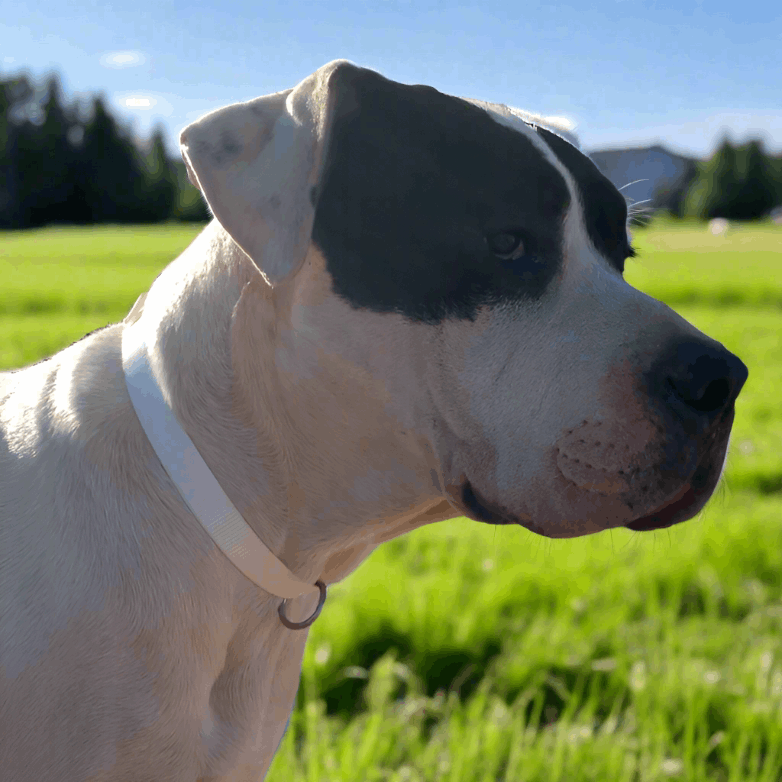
<point x="139" y="103"/>
<point x="127" y="59"/>
<point x="144" y="101"/>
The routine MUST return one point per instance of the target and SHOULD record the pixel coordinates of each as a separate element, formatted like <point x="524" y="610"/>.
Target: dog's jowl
<point x="408" y="307"/>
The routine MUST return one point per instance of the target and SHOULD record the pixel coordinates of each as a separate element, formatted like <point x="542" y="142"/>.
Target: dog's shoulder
<point x="51" y="418"/>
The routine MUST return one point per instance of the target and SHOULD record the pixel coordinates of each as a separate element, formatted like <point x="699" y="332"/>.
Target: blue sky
<point x="626" y="72"/>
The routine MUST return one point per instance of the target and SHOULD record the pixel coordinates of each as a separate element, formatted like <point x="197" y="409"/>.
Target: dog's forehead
<point x="414" y="184"/>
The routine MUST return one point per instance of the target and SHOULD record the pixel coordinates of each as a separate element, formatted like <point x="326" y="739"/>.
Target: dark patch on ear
<point x="314" y="195"/>
<point x="413" y="183"/>
<point x="605" y="209"/>
<point x="226" y="149"/>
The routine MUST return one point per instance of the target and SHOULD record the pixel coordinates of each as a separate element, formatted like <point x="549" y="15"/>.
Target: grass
<point x="60" y="283"/>
<point x="463" y="652"/>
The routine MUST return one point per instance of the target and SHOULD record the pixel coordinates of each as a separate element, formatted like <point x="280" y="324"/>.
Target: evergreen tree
<point x="111" y="177"/>
<point x="716" y="185"/>
<point x="61" y="163"/>
<point x="15" y="93"/>
<point x="48" y="175"/>
<point x="7" y="172"/>
<point x="161" y="180"/>
<point x="775" y="165"/>
<point x="755" y="194"/>
<point x="670" y="196"/>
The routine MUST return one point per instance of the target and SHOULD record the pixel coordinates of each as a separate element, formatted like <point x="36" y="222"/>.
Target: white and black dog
<point x="410" y="307"/>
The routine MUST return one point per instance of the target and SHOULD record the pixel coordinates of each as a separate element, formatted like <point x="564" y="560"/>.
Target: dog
<point x="408" y="307"/>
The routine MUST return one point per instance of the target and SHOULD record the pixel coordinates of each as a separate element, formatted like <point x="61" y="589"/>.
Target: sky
<point x="623" y="72"/>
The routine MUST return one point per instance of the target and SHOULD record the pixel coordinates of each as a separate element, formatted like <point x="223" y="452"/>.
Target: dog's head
<point x="463" y="265"/>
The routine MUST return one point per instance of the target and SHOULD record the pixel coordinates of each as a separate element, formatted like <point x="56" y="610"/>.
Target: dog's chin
<point x="470" y="503"/>
<point x="687" y="502"/>
<point x="695" y="493"/>
<point x="682" y="507"/>
<point x="690" y="498"/>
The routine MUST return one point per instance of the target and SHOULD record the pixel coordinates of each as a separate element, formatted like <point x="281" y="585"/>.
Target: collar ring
<point x="310" y="619"/>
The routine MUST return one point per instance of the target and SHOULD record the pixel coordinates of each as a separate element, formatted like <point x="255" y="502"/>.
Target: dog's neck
<point x="234" y="350"/>
<point x="226" y="345"/>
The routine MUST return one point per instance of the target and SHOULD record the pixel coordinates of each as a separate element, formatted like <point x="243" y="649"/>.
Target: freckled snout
<point x="604" y="458"/>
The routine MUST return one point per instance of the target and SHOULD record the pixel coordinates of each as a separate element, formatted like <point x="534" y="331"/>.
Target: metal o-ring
<point x="310" y="619"/>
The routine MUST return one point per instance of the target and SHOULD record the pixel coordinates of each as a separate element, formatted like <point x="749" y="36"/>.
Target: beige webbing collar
<point x="197" y="484"/>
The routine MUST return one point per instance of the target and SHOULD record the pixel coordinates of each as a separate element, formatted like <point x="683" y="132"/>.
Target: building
<point x="664" y="175"/>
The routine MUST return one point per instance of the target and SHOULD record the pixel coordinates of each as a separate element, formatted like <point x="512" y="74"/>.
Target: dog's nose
<point x="702" y="377"/>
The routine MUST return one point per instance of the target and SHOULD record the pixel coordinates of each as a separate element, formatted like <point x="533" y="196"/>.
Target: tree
<point x="15" y="93"/>
<point x="74" y="163"/>
<point x="755" y="195"/>
<point x="775" y="164"/>
<point x="715" y="187"/>
<point x="111" y="177"/>
<point x="47" y="165"/>
<point x="671" y="195"/>
<point x="738" y="184"/>
<point x="161" y="183"/>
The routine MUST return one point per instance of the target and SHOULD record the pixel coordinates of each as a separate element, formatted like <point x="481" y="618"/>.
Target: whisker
<point x="633" y="183"/>
<point x="640" y="215"/>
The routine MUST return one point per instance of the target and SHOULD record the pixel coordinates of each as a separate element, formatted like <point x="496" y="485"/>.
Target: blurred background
<point x="679" y="105"/>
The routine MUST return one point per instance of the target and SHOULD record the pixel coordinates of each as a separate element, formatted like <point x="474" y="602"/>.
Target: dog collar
<point x="199" y="487"/>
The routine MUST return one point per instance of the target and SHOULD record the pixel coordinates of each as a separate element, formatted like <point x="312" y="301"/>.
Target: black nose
<point x="701" y="377"/>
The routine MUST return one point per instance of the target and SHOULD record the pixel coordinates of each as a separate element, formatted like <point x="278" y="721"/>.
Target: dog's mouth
<point x="672" y="512"/>
<point x="695" y="493"/>
<point x="690" y="499"/>
<point x="685" y="503"/>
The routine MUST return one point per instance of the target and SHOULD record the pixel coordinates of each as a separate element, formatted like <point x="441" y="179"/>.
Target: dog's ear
<point x="257" y="164"/>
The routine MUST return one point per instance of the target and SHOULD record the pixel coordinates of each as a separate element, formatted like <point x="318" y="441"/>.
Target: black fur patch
<point x="605" y="209"/>
<point x="414" y="181"/>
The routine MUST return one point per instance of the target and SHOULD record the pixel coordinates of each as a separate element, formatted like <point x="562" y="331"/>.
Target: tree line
<point x="64" y="162"/>
<point x="738" y="183"/>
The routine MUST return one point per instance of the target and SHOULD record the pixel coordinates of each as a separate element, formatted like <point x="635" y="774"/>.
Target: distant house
<point x="665" y="174"/>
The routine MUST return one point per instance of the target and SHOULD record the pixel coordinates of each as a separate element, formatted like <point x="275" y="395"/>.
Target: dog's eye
<point x="507" y="245"/>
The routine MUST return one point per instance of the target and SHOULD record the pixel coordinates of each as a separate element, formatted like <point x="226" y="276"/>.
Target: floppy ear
<point x="257" y="164"/>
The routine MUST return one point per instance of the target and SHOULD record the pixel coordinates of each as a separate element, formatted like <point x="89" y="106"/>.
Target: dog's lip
<point x="477" y="508"/>
<point x="691" y="497"/>
<point x="467" y="501"/>
<point x="668" y="514"/>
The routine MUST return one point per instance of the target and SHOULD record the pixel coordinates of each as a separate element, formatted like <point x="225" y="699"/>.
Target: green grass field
<point x="466" y="652"/>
